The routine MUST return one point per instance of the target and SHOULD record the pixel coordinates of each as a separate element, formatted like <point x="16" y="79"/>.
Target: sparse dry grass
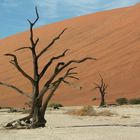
<point x="89" y="111"/>
<point x="105" y="113"/>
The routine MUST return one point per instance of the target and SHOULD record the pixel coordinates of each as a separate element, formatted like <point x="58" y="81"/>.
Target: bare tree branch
<point x="76" y="61"/>
<point x="59" y="67"/>
<point x="72" y="73"/>
<point x="102" y="89"/>
<point x="22" y="48"/>
<point x="50" y="62"/>
<point x="38" y="101"/>
<point x="69" y="71"/>
<point x="54" y="87"/>
<point x="37" y="40"/>
<point x="15" y="88"/>
<point x="96" y="85"/>
<point x="51" y="43"/>
<point x="37" y="18"/>
<point x="15" y="63"/>
<point x="73" y="77"/>
<point x="66" y="82"/>
<point x="33" y="43"/>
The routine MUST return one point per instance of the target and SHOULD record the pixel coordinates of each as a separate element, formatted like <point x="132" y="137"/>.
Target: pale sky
<point x="13" y="13"/>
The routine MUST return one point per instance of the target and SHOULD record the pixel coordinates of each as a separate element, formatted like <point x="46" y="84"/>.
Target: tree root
<point x="20" y="123"/>
<point x="25" y="123"/>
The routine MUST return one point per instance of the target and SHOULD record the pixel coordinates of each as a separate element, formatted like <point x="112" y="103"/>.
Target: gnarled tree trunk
<point x="102" y="89"/>
<point x="102" y="103"/>
<point x="39" y="101"/>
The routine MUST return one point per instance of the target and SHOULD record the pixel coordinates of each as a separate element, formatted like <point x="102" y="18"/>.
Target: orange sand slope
<point x="113" y="37"/>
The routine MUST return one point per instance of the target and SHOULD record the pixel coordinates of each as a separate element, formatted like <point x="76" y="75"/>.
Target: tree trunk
<point x="102" y="104"/>
<point x="38" y="117"/>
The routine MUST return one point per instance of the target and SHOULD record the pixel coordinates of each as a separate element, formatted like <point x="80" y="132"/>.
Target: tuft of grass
<point x="84" y="111"/>
<point x="134" y="101"/>
<point x="89" y="111"/>
<point x="55" y="105"/>
<point x="122" y="101"/>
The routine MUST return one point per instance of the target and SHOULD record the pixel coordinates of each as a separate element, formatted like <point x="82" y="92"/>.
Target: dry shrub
<point x="85" y="111"/>
<point x="134" y="101"/>
<point x="89" y="111"/>
<point x="122" y="101"/>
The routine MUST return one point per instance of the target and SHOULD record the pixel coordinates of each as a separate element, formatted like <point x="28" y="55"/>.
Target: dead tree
<point x="36" y="117"/>
<point x="102" y="90"/>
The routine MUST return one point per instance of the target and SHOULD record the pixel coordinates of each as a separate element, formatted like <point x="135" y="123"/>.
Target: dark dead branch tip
<point x="15" y="63"/>
<point x="22" y="48"/>
<point x="96" y="84"/>
<point x="73" y="77"/>
<point x="73" y="73"/>
<point x="63" y="31"/>
<point x="37" y="40"/>
<point x="101" y="77"/>
<point x="37" y="17"/>
<point x="51" y="43"/>
<point x="68" y="72"/>
<point x="70" y="69"/>
<point x="9" y="54"/>
<point x="29" y="22"/>
<point x="36" y="10"/>
<point x="12" y="55"/>
<point x="58" y="37"/>
<point x="89" y="58"/>
<point x="59" y="56"/>
<point x="66" y="82"/>
<point x="65" y="51"/>
<point x="80" y="61"/>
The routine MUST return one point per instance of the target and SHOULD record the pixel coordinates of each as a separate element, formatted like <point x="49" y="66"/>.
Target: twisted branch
<point x="15" y="88"/>
<point x="50" y="62"/>
<point x="55" y="86"/>
<point x="34" y="43"/>
<point x="51" y="43"/>
<point x="59" y="67"/>
<point x="15" y="63"/>
<point x="22" y="48"/>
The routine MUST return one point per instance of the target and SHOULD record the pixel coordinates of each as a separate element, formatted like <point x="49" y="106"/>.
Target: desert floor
<point x="124" y="125"/>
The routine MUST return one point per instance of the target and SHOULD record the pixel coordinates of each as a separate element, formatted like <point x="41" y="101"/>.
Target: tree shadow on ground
<point x="102" y="125"/>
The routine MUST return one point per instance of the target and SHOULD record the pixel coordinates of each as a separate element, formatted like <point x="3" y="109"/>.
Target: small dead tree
<point x="36" y="117"/>
<point x="102" y="90"/>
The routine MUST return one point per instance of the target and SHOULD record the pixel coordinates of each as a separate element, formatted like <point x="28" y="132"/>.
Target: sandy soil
<point x="123" y="126"/>
<point x="113" y="37"/>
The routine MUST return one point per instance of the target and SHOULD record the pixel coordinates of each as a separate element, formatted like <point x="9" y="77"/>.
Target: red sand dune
<point x="113" y="37"/>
